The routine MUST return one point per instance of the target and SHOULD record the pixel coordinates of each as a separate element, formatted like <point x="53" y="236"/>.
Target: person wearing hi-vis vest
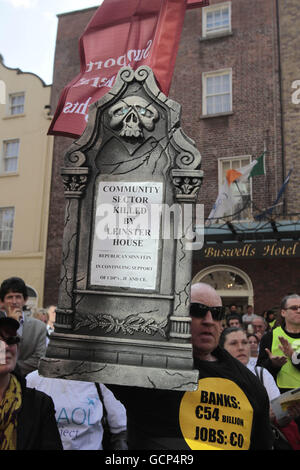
<point x="279" y="350"/>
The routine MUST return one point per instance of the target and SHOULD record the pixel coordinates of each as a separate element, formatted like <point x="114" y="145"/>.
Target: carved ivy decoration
<point x="129" y="325"/>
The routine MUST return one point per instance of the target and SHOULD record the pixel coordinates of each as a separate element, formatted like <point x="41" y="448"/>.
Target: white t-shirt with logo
<point x="78" y="410"/>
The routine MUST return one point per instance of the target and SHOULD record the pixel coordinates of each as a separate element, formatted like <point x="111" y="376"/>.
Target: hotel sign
<point x="280" y="249"/>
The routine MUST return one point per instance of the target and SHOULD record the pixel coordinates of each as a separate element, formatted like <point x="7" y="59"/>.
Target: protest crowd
<point x="246" y="361"/>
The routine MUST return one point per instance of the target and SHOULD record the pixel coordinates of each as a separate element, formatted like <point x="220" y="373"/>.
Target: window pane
<point x="218" y="93"/>
<point x="6" y="228"/>
<point x="225" y="82"/>
<point x="225" y="103"/>
<point x="7" y="217"/>
<point x="218" y="19"/>
<point x="236" y="164"/>
<point x="218" y="104"/>
<point x="16" y="102"/>
<point x="12" y="149"/>
<point x="11" y="154"/>
<point x="241" y="192"/>
<point x="218" y="84"/>
<point x="225" y="16"/>
<point x="17" y="110"/>
<point x="210" y="85"/>
<point x="236" y="190"/>
<point x="225" y="166"/>
<point x="210" y="105"/>
<point x="19" y="99"/>
<point x="210" y="20"/>
<point x="11" y="165"/>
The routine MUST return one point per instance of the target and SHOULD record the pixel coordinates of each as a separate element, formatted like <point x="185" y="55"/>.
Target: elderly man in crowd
<point x="259" y="326"/>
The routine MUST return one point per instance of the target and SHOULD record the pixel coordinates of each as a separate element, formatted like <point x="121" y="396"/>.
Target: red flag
<point x="122" y="32"/>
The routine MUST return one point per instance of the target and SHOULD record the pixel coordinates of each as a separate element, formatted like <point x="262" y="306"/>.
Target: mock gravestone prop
<point x="123" y="308"/>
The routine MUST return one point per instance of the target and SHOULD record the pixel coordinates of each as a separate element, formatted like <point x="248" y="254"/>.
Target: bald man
<point x="230" y="409"/>
<point x="205" y="330"/>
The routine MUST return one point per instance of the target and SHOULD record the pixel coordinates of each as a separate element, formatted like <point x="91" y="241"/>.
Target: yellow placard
<point x="218" y="416"/>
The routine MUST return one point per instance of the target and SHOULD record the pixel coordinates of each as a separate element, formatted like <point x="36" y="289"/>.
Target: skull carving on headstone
<point x="131" y="114"/>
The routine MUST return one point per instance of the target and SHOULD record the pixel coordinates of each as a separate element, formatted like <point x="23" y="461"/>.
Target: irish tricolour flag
<point x="226" y="201"/>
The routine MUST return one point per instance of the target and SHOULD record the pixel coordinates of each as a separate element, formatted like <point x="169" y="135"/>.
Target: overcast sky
<point x="28" y="32"/>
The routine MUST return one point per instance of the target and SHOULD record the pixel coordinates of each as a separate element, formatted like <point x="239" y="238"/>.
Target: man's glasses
<point x="11" y="340"/>
<point x="293" y="307"/>
<point x="200" y="310"/>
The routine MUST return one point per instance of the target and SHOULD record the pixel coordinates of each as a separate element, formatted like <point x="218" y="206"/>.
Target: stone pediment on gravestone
<point x="130" y="181"/>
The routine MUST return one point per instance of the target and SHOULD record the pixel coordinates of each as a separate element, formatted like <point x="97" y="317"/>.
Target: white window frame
<point x="215" y="73"/>
<point x="221" y="176"/>
<point x="7" y="230"/>
<point x="12" y="107"/>
<point x="218" y="30"/>
<point x="6" y="157"/>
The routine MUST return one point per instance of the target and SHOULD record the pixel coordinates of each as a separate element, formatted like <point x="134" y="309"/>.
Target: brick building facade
<point x="250" y="51"/>
<point x="66" y="67"/>
<point x="243" y="52"/>
<point x="289" y="21"/>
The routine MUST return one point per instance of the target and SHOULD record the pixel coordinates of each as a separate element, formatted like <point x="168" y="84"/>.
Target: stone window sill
<point x="207" y="116"/>
<point x="224" y="34"/>
<point x="12" y="173"/>
<point x="11" y="116"/>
